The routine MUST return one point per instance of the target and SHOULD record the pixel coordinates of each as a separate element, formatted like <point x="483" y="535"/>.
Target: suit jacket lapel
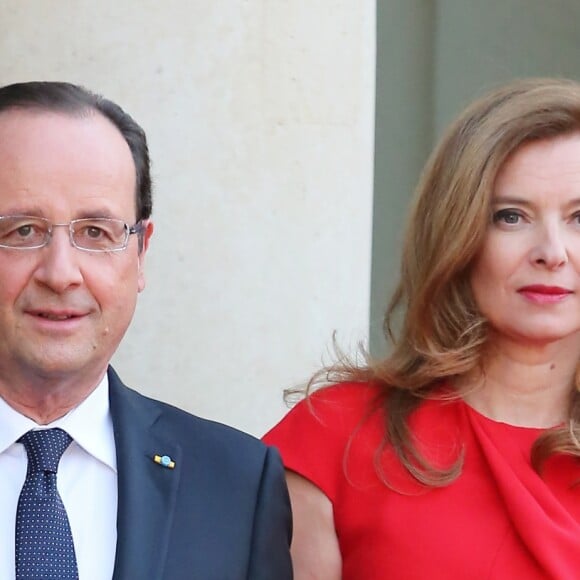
<point x="146" y="490"/>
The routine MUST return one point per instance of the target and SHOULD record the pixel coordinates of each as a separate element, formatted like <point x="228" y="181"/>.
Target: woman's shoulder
<point x="340" y="406"/>
<point x="333" y="408"/>
<point x="349" y="393"/>
<point x="315" y="434"/>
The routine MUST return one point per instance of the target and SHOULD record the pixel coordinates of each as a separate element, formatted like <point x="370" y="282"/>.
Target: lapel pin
<point x="165" y="461"/>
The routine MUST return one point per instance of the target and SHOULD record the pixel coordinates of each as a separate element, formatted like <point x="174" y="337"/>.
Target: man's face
<point x="63" y="311"/>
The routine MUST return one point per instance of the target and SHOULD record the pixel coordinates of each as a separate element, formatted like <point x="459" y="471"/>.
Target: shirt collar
<point x="89" y="424"/>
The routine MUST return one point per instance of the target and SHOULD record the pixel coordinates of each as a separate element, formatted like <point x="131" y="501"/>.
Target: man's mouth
<point x="50" y="316"/>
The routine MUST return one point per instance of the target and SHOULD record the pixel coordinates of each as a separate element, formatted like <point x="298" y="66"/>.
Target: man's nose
<point x="58" y="266"/>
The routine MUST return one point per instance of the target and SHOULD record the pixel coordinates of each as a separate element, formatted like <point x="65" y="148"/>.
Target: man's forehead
<point x="16" y="117"/>
<point x="30" y="130"/>
<point x="46" y="153"/>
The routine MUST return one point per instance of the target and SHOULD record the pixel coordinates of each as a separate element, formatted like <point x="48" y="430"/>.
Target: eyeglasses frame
<point x="137" y="228"/>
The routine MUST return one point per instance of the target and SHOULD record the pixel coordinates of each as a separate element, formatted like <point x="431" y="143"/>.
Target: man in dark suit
<point x="99" y="481"/>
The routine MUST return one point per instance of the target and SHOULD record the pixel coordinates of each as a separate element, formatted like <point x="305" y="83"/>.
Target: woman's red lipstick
<point x="540" y="294"/>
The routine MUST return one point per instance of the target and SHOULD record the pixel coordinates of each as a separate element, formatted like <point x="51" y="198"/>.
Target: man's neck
<point x="45" y="399"/>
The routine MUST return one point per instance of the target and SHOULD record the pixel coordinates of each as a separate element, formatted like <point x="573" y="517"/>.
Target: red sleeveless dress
<point x="498" y="520"/>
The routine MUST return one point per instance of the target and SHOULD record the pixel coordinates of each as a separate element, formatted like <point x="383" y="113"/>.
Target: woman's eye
<point x="507" y="216"/>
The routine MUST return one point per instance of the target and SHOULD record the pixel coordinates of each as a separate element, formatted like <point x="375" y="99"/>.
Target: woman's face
<point x="526" y="278"/>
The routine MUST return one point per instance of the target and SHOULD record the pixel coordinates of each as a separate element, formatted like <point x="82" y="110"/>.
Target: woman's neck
<point x="527" y="385"/>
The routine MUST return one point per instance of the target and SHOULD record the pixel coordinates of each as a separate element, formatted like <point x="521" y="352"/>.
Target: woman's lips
<point x="540" y="294"/>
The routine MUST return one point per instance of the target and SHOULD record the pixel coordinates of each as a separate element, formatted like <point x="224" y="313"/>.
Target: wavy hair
<point x="432" y="322"/>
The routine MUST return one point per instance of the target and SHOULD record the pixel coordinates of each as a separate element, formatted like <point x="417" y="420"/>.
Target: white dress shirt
<point x="86" y="481"/>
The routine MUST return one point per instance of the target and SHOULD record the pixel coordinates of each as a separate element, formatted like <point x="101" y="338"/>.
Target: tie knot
<point x="44" y="448"/>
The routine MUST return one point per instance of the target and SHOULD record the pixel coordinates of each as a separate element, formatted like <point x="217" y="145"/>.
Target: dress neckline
<point x="501" y="425"/>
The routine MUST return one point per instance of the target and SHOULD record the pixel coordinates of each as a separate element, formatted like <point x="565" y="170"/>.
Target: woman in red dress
<point x="456" y="456"/>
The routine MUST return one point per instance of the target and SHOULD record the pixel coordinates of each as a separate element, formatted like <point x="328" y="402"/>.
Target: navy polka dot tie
<point x="44" y="544"/>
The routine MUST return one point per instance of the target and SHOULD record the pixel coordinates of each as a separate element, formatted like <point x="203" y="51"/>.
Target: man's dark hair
<point x="73" y="99"/>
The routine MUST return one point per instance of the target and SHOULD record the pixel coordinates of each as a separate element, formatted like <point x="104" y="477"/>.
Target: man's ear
<point x="143" y="247"/>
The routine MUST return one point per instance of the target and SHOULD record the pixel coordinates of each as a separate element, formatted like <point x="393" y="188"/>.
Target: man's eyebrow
<point x="97" y="213"/>
<point x="37" y="211"/>
<point x="34" y="210"/>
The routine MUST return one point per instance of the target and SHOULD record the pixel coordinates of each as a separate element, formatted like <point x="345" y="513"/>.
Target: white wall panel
<point x="260" y="121"/>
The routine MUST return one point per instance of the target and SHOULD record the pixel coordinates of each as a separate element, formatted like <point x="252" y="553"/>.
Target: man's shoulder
<point x="191" y="430"/>
<point x="179" y="418"/>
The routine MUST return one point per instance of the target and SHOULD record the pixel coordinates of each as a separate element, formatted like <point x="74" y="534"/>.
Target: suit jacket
<point x="222" y="513"/>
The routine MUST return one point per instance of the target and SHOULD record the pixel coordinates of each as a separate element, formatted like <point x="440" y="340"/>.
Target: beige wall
<point x="260" y="120"/>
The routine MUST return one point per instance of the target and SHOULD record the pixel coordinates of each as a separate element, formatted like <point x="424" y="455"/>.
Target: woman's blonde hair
<point x="432" y="321"/>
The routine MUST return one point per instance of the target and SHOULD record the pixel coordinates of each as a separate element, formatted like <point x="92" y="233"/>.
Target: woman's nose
<point x="550" y="250"/>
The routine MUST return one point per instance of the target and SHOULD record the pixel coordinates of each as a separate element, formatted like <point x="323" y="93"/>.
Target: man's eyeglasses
<point x="22" y="232"/>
